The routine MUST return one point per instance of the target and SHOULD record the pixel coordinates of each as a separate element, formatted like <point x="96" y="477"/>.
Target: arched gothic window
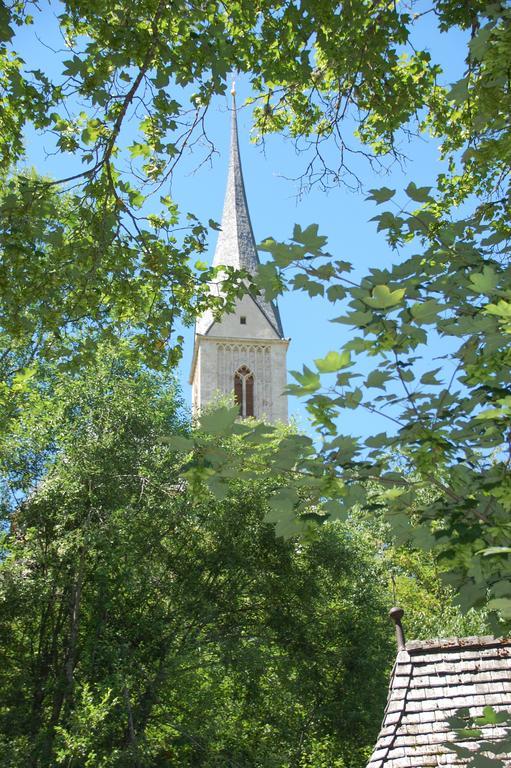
<point x="244" y="391"/>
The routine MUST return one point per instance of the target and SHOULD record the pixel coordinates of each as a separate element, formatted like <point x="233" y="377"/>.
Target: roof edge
<point x="456" y="642"/>
<point x="243" y="341"/>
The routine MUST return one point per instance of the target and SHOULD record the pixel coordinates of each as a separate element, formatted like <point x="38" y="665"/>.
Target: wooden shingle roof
<point x="430" y="682"/>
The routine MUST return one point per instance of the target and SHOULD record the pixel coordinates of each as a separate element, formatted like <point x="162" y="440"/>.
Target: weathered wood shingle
<point x="430" y="681"/>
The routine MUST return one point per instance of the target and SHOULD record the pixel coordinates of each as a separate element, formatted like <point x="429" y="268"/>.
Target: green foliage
<point x="333" y="362"/>
<point x="141" y="623"/>
<point x="76" y="742"/>
<point x="310" y="68"/>
<point x="144" y="621"/>
<point x="448" y="425"/>
<point x="413" y="577"/>
<point x="489" y="751"/>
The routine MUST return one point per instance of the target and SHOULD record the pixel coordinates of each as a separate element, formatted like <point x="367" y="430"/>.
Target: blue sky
<point x="342" y="215"/>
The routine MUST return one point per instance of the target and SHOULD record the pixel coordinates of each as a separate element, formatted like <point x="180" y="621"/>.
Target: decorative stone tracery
<point x="255" y="358"/>
<point x="244" y="391"/>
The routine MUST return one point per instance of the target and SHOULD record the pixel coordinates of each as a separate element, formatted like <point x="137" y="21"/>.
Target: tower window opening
<point x="244" y="391"/>
<point x="243" y="320"/>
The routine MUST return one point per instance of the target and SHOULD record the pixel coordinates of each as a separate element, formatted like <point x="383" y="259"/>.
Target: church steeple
<point x="244" y="352"/>
<point x="236" y="246"/>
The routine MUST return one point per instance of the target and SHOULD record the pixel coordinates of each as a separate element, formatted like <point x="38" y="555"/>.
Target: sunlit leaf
<point x="333" y="361"/>
<point x="383" y="298"/>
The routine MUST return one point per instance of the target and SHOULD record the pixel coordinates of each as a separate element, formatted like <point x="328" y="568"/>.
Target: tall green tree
<point x="145" y="623"/>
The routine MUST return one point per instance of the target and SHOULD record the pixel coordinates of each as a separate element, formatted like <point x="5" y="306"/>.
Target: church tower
<point x="245" y="352"/>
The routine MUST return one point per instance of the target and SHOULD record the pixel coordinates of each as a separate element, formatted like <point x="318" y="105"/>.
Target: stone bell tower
<point x="244" y="353"/>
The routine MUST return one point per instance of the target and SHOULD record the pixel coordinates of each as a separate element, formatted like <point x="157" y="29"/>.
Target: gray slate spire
<point x="236" y="245"/>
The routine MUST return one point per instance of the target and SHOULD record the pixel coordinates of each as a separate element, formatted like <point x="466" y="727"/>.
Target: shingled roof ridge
<point x="446" y="643"/>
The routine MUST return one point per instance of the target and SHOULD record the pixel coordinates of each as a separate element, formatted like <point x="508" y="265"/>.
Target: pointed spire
<point x="236" y="245"/>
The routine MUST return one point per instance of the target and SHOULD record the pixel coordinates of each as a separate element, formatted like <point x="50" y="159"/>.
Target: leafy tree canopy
<point x="317" y="68"/>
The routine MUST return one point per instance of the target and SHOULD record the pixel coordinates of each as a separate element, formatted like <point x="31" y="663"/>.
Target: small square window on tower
<point x="243" y="320"/>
